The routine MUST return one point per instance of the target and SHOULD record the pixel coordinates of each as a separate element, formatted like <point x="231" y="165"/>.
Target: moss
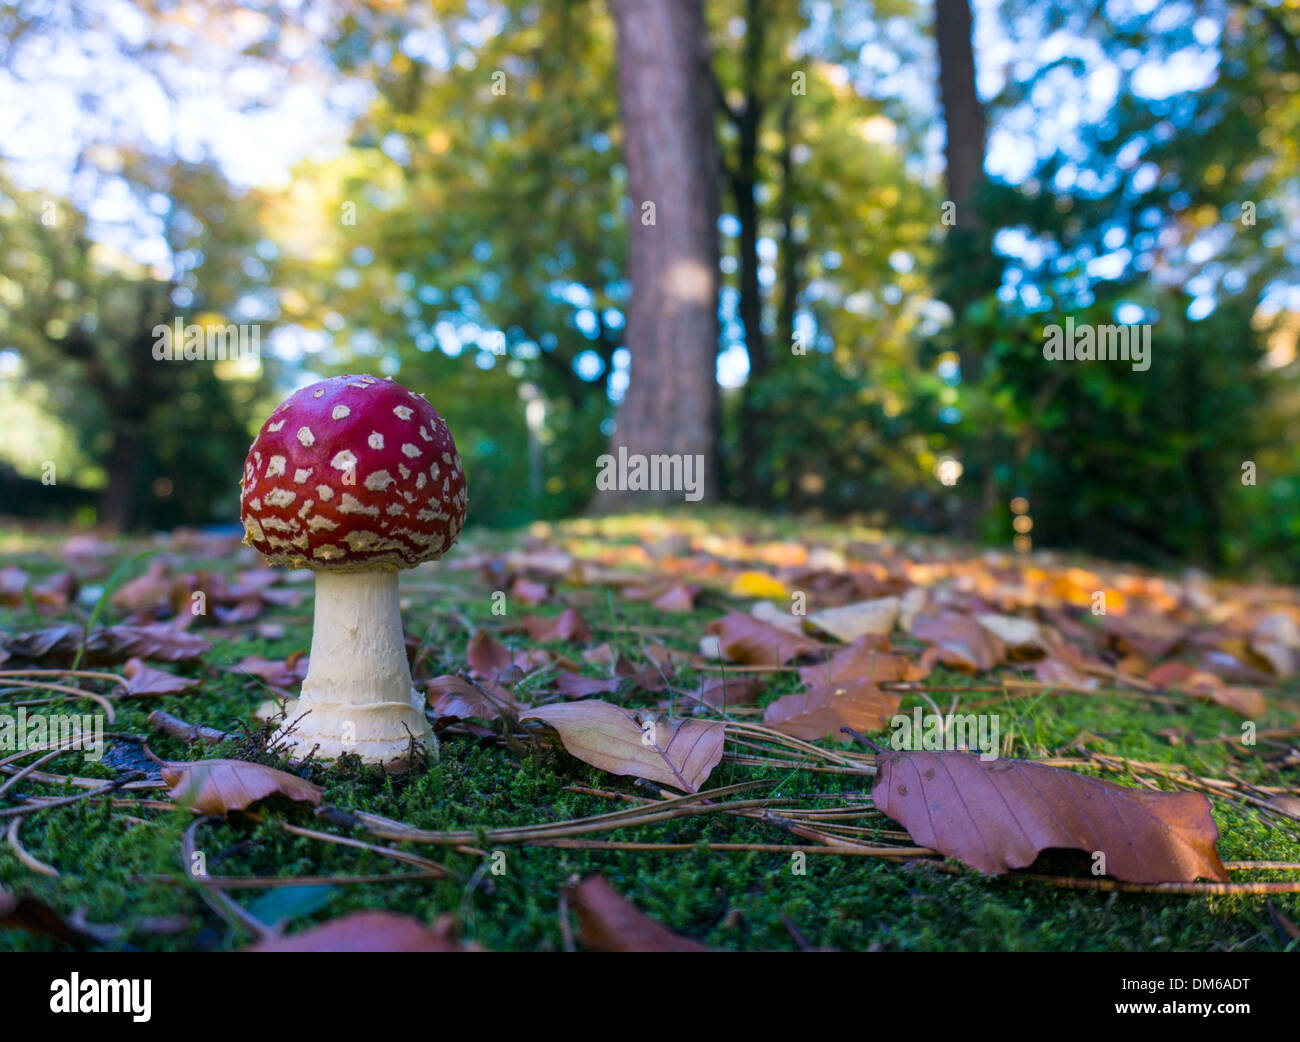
<point x="741" y="900"/>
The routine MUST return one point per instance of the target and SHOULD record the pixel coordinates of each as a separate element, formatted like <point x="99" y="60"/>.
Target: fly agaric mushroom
<point x="354" y="478"/>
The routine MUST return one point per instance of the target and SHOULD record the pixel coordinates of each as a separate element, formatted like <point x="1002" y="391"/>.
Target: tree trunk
<point x="962" y="113"/>
<point x="672" y="162"/>
<point x="744" y="181"/>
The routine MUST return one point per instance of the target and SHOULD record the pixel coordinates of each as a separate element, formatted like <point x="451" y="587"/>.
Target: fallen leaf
<point x="824" y="709"/>
<point x="999" y="815"/>
<point x="219" y="786"/>
<point x="145" y="680"/>
<point x="751" y="642"/>
<point x="851" y="621"/>
<point x="568" y="625"/>
<point x="677" y="752"/>
<point x="1024" y="638"/>
<point x="725" y="692"/>
<point x="866" y="659"/>
<point x="757" y="584"/>
<point x="453" y="696"/>
<point x="371" y="932"/>
<point x="487" y="656"/>
<point x="608" y="922"/>
<point x="958" y="641"/>
<point x="105" y="645"/>
<point x="676" y="598"/>
<point x="781" y="618"/>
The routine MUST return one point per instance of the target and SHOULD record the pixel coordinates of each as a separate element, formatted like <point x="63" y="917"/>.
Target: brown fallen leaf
<point x="578" y="685"/>
<point x="371" y="932"/>
<point x="526" y="591"/>
<point x="105" y="645"/>
<point x="1062" y="674"/>
<point x="676" y="598"/>
<point x="487" y="656"/>
<point x="568" y="625"/>
<point x="752" y="642"/>
<point x="959" y="642"/>
<point x="999" y="815"/>
<point x="824" y="709"/>
<point x="677" y="752"/>
<point x="1151" y="636"/>
<point x="608" y="922"/>
<point x="866" y="659"/>
<point x="219" y="786"/>
<point x="287" y="674"/>
<point x="453" y="696"/>
<point x="724" y="692"/>
<point x="1178" y="676"/>
<point x="1244" y="700"/>
<point x="145" y="680"/>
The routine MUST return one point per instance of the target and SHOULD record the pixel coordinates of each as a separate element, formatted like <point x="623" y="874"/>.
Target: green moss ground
<point x="727" y="900"/>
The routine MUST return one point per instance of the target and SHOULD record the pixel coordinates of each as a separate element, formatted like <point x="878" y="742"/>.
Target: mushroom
<point x="354" y="478"/>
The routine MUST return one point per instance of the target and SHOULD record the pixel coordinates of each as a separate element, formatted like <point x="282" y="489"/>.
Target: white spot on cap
<point x="410" y="451"/>
<point x="273" y="427"/>
<point x="319" y="392"/>
<point x="351" y="505"/>
<point x="395" y="508"/>
<point x="378" y="481"/>
<point x="275" y="467"/>
<point x="325" y="492"/>
<point x="425" y="434"/>
<point x="280" y="497"/>
<point x="376" y="440"/>
<point x="344" y="460"/>
<point x="321" y="521"/>
<point x="420" y="480"/>
<point x="306" y="437"/>
<point x="329" y="552"/>
<point x="403" y="412"/>
<point x="301" y="474"/>
<point x="340" y="412"/>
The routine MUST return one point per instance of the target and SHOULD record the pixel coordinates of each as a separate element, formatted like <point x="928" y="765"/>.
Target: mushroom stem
<point x="357" y="695"/>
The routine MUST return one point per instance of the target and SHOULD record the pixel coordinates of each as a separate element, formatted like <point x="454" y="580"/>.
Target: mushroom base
<point x="378" y="733"/>
<point x="357" y="696"/>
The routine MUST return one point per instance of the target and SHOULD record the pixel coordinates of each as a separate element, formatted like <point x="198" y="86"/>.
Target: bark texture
<point x="671" y="154"/>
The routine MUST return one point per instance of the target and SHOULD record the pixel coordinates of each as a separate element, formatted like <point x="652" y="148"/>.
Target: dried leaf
<point x="487" y="656"/>
<point x="958" y="641"/>
<point x="676" y="598"/>
<point x="675" y="752"/>
<point x="219" y="786"/>
<point x="371" y="932"/>
<point x="145" y="680"/>
<point x="749" y="641"/>
<point x="823" y="710"/>
<point x="106" y="645"/>
<point x="608" y="922"/>
<point x="999" y="815"/>
<point x="568" y="625"/>
<point x="453" y="696"/>
<point x="851" y="621"/>
<point x="866" y="659"/>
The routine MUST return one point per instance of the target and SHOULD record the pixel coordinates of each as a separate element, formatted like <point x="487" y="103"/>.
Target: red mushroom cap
<point x="353" y="473"/>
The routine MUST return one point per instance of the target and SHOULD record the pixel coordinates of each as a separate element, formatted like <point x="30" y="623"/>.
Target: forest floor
<point x="1183" y="685"/>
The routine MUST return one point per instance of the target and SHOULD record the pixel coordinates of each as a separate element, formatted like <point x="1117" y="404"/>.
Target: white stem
<point x="357" y="695"/>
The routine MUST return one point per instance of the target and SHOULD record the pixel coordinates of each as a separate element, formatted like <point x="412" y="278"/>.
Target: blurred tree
<point x="672" y="169"/>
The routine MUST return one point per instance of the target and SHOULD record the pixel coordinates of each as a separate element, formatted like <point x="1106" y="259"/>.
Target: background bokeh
<point x="436" y="191"/>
